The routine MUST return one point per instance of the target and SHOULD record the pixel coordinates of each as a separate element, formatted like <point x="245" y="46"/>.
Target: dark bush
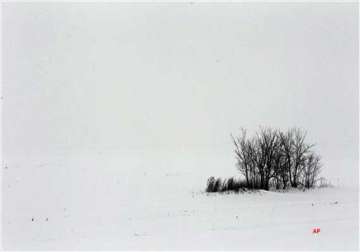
<point x="217" y="185"/>
<point x="231" y="185"/>
<point x="210" y="184"/>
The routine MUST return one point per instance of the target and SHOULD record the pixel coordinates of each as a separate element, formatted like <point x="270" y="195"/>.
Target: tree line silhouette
<point x="271" y="158"/>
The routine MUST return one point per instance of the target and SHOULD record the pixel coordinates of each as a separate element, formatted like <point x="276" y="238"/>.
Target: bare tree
<point x="248" y="159"/>
<point x="287" y="150"/>
<point x="254" y="160"/>
<point x="280" y="171"/>
<point x="311" y="170"/>
<point x="301" y="149"/>
<point x="268" y="145"/>
<point x="242" y="154"/>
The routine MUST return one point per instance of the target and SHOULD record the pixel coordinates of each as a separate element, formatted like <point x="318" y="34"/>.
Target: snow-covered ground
<point x="121" y="200"/>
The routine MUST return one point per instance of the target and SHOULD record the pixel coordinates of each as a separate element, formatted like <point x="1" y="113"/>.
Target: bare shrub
<point x="210" y="184"/>
<point x="230" y="185"/>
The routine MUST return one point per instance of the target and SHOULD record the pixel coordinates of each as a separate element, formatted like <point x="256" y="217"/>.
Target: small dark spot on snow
<point x="32" y="219"/>
<point x="237" y="216"/>
<point x="46" y="219"/>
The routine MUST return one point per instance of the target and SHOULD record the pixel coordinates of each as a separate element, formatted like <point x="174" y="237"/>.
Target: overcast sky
<point x="178" y="76"/>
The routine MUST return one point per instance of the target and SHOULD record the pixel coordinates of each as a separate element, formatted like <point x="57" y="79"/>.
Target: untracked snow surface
<point x="97" y="200"/>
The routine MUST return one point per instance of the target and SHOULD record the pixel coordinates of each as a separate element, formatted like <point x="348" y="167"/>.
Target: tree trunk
<point x="247" y="177"/>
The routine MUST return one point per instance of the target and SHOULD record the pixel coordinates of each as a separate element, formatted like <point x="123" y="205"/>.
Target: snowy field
<point x="118" y="200"/>
<point x="114" y="115"/>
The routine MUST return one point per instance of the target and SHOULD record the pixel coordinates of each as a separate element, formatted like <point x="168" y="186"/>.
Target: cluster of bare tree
<point x="273" y="157"/>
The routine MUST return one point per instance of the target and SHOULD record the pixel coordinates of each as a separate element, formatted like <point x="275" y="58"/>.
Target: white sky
<point x="175" y="77"/>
